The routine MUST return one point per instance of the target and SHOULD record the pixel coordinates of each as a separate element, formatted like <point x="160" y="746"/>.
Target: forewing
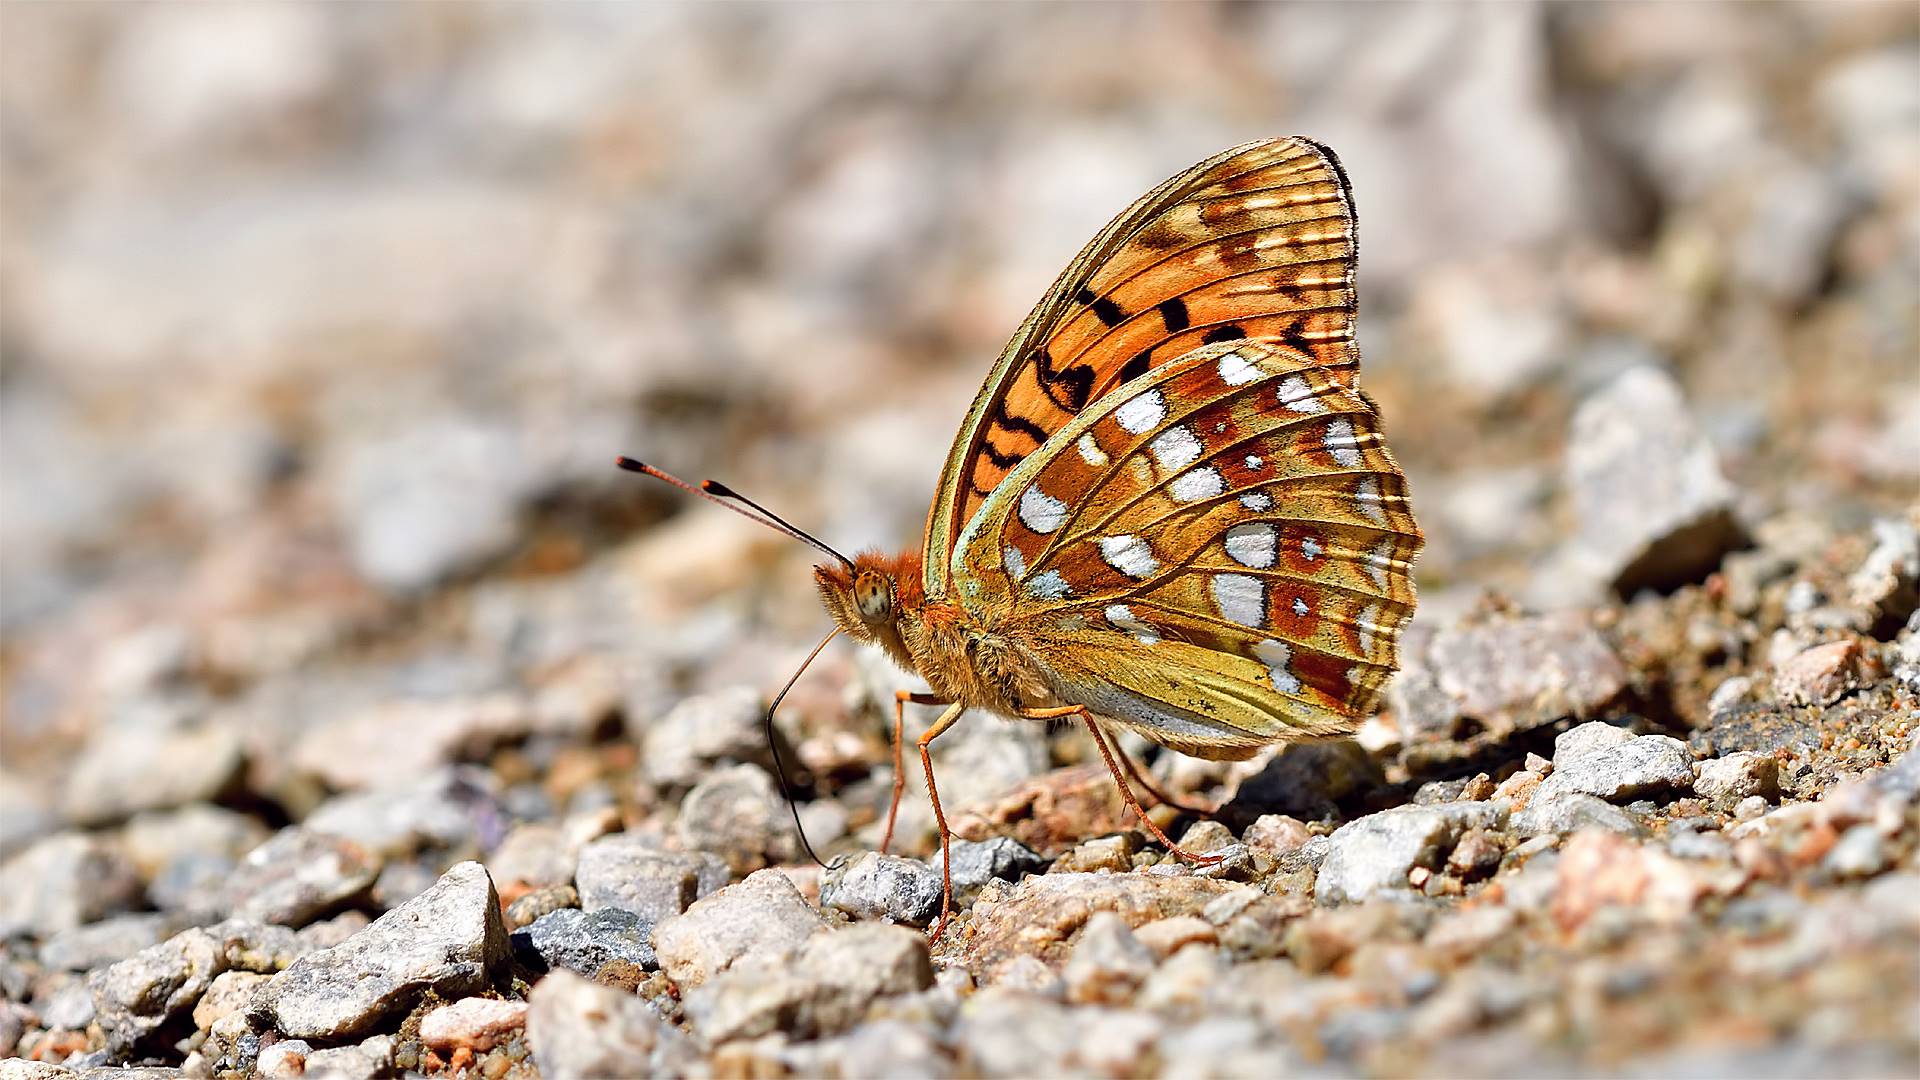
<point x="1234" y="512"/>
<point x="1256" y="243"/>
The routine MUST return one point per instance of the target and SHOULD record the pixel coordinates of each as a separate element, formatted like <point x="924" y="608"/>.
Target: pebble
<point x="63" y="882"/>
<point x="634" y="873"/>
<point x="684" y="746"/>
<point x="138" y="996"/>
<point x="297" y="876"/>
<point x="531" y="906"/>
<point x="1374" y="854"/>
<point x="581" y="1030"/>
<point x="1041" y="914"/>
<point x="876" y="886"/>
<point x="1587" y="739"/>
<point x="105" y="942"/>
<point x="976" y="862"/>
<point x="586" y="943"/>
<point x="126" y="770"/>
<point x="533" y="857"/>
<point x="475" y="1023"/>
<point x="363" y="1061"/>
<point x="1108" y="963"/>
<point x="1308" y="779"/>
<point x="764" y="914"/>
<point x="1654" y="509"/>
<point x="736" y="813"/>
<point x="1860" y="852"/>
<point x="1514" y="672"/>
<point x="1820" y="675"/>
<point x="1168" y="936"/>
<point x="1113" y="853"/>
<point x="1636" y="767"/>
<point x="230" y="992"/>
<point x="1275" y="835"/>
<point x="1561" y="812"/>
<point x="1726" y="781"/>
<point x="354" y="750"/>
<point x="453" y="807"/>
<point x="826" y="988"/>
<point x="449" y="940"/>
<point x="1887" y="581"/>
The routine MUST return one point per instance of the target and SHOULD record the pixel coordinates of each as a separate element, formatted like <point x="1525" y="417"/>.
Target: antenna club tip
<point x="629" y="464"/>
<point x="717" y="488"/>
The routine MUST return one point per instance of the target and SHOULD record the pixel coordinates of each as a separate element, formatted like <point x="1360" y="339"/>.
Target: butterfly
<point x="1170" y="508"/>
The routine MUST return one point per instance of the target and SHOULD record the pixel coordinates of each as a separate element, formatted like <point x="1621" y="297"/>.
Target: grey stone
<point x="1821" y="674"/>
<point x="363" y="1061"/>
<point x="63" y="882"/>
<point x="527" y="910"/>
<point x="1308" y="779"/>
<point x="297" y="876"/>
<point x="1375" y="853"/>
<point x="680" y="748"/>
<point x="533" y="856"/>
<point x="125" y="770"/>
<point x="1860" y="852"/>
<point x="105" y="942"/>
<point x="876" y="886"/>
<point x="1510" y="672"/>
<point x="1559" y="813"/>
<point x="825" y="989"/>
<point x="1585" y="740"/>
<point x="229" y="993"/>
<point x="634" y="873"/>
<point x="161" y="840"/>
<point x="763" y="914"/>
<point x="449" y="940"/>
<point x="976" y="862"/>
<point x="138" y="996"/>
<point x="736" y="814"/>
<point x="1109" y="963"/>
<point x="70" y="1008"/>
<point x="1887" y="581"/>
<point x="581" y="1030"/>
<point x="585" y="942"/>
<point x="25" y="814"/>
<point x="1648" y="765"/>
<point x="1733" y="692"/>
<point x="456" y="807"/>
<point x="1724" y="781"/>
<point x="1653" y="507"/>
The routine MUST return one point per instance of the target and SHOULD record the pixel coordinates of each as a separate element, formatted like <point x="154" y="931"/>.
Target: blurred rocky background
<point x="357" y="716"/>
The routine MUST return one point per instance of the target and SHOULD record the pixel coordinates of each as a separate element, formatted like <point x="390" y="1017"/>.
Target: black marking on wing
<point x="1103" y="307"/>
<point x="1019" y="424"/>
<point x="1173" y="315"/>
<point x="1075" y="382"/>
<point x="1223" y="333"/>
<point x="1137" y="366"/>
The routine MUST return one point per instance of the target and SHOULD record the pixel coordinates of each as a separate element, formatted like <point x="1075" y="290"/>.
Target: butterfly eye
<point x="873" y="596"/>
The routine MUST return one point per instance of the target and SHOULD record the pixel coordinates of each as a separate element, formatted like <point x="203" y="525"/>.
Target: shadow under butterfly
<point x="1170" y="508"/>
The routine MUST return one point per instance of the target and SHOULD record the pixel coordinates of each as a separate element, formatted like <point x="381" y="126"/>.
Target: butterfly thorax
<point x="881" y="601"/>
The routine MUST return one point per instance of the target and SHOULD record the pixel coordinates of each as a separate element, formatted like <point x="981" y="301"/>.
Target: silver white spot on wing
<point x="1310" y="548"/>
<point x="1254" y="461"/>
<point x="1176" y="448"/>
<point x="1341" y="442"/>
<point x="1379" y="561"/>
<point x="1121" y="616"/>
<point x="1300" y="607"/>
<point x="1237" y="370"/>
<point x="1297" y="396"/>
<point x="1253" y="544"/>
<point x="1366" y="626"/>
<point x="1372" y="504"/>
<point x="1049" y="586"/>
<point x="1257" y="501"/>
<point x="1130" y="555"/>
<point x="1090" y="451"/>
<point x="1015" y="562"/>
<point x="1278" y="658"/>
<point x="1197" y="484"/>
<point x="1040" y="511"/>
<point x="1143" y="413"/>
<point x="1240" y="598"/>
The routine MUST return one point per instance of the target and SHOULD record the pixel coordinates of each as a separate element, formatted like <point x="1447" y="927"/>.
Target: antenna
<point x="717" y="493"/>
<point x="773" y="744"/>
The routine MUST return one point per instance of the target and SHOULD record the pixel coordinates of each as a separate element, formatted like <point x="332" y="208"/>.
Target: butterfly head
<point x="868" y="597"/>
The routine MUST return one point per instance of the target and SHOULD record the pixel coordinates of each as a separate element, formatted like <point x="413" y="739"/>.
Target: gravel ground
<point x="361" y="719"/>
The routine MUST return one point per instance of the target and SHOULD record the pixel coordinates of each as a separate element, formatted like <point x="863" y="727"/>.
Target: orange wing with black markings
<point x="1256" y="243"/>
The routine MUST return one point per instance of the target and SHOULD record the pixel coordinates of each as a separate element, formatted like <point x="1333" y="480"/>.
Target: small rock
<point x="1109" y="963"/>
<point x="763" y="914"/>
<point x="683" y="747"/>
<point x="1644" y="766"/>
<point x="976" y="862"/>
<point x="126" y="770"/>
<point x="140" y="995"/>
<point x="1167" y="936"/>
<point x="451" y="807"/>
<point x="632" y="872"/>
<point x="476" y="1023"/>
<point x="1562" y="812"/>
<point x="533" y="856"/>
<point x="527" y="910"/>
<point x="736" y="813"/>
<point x="1587" y="739"/>
<point x="1599" y="869"/>
<point x="1309" y="779"/>
<point x="1733" y="692"/>
<point x="1207" y="836"/>
<point x="1476" y="855"/>
<point x="1274" y="835"/>
<point x="298" y="876"/>
<point x="1041" y="914"/>
<point x="825" y="989"/>
<point x="354" y="749"/>
<point x="1518" y="790"/>
<point x="1725" y="781"/>
<point x="1860" y="852"/>
<point x="580" y="1030"/>
<point x="876" y="886"/>
<point x="64" y="882"/>
<point x="584" y="942"/>
<point x="1751" y="807"/>
<point x="449" y="939"/>
<point x="230" y="992"/>
<point x="1820" y="675"/>
<point x="284" y="1060"/>
<point x="1655" y="511"/>
<point x="363" y="1061"/>
<point x="108" y="941"/>
<point x="1517" y="672"/>
<point x="1887" y="582"/>
<point x="1114" y="853"/>
<point x="1375" y="853"/>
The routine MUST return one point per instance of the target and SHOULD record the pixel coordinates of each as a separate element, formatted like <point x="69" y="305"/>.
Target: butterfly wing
<point x="1218" y="553"/>
<point x="1256" y="243"/>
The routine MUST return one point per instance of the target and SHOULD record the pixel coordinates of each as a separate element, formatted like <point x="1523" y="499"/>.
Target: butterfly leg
<point x="946" y="835"/>
<point x="1138" y="774"/>
<point x="1113" y="767"/>
<point x="900" y="699"/>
